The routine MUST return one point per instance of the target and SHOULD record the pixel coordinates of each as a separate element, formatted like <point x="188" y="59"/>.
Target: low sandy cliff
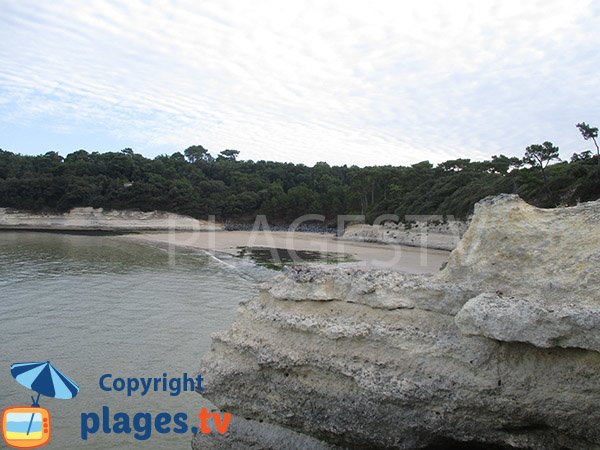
<point x="96" y="219"/>
<point x="442" y="236"/>
<point x="501" y="348"/>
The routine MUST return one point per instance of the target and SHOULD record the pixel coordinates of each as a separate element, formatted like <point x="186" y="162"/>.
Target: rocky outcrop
<point x="436" y="235"/>
<point x="244" y="434"/>
<point x="532" y="319"/>
<point x="96" y="219"/>
<point x="498" y="349"/>
<point x="543" y="265"/>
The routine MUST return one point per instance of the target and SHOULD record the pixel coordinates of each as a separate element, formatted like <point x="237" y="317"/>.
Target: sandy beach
<point x="368" y="255"/>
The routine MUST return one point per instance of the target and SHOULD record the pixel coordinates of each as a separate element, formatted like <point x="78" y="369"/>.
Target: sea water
<point x="93" y="305"/>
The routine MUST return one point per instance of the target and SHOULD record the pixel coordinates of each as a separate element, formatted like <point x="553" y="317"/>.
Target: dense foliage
<point x="196" y="184"/>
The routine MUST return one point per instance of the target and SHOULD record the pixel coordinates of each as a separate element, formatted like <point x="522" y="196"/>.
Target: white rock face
<point x="500" y="348"/>
<point x="442" y="236"/>
<point x="513" y="245"/>
<point x="100" y="220"/>
<point x="530" y="319"/>
<point x="378" y="289"/>
<point x="545" y="264"/>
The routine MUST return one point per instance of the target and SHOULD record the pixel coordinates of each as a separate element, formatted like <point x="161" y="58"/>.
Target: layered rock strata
<point x="97" y="219"/>
<point x="442" y="236"/>
<point x="500" y="348"/>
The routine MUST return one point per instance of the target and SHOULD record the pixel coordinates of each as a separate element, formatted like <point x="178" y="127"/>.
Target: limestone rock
<point x="539" y="271"/>
<point x="244" y="434"/>
<point x="512" y="245"/>
<point x="442" y="236"/>
<point x="530" y="319"/>
<point x="501" y="348"/>
<point x="357" y="377"/>
<point x="96" y="219"/>
<point x="376" y="288"/>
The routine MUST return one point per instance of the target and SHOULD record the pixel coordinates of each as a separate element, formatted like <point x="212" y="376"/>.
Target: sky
<point x="341" y="81"/>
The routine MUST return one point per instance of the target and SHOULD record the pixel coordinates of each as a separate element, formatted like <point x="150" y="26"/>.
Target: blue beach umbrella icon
<point x="45" y="379"/>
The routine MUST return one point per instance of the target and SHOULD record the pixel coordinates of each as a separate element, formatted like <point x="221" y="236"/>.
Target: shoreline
<point x="73" y="231"/>
<point x="97" y="219"/>
<point x="221" y="243"/>
<point x="366" y="255"/>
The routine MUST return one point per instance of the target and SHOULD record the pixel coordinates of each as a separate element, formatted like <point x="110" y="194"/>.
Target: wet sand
<point x="367" y="255"/>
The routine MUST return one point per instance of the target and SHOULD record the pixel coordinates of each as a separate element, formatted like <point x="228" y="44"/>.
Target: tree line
<point x="197" y="184"/>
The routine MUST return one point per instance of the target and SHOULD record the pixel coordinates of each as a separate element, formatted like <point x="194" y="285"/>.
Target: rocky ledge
<point x="438" y="235"/>
<point x="498" y="350"/>
<point x="97" y="219"/>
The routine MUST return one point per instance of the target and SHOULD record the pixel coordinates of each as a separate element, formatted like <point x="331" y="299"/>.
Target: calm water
<point x="97" y="304"/>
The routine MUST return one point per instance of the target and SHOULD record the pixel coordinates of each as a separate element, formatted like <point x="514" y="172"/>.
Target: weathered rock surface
<point x="500" y="348"/>
<point x="529" y="319"/>
<point x="544" y="263"/>
<point x="378" y="289"/>
<point x="244" y="434"/>
<point x="442" y="236"/>
<point x="511" y="244"/>
<point x="97" y="219"/>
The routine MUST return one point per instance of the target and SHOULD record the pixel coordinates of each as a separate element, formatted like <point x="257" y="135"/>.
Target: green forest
<point x="196" y="183"/>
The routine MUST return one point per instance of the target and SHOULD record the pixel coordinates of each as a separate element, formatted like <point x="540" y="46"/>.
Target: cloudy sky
<point x="347" y="82"/>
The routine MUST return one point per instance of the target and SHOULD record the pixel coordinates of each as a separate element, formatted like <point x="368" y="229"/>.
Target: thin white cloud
<point x="348" y="82"/>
